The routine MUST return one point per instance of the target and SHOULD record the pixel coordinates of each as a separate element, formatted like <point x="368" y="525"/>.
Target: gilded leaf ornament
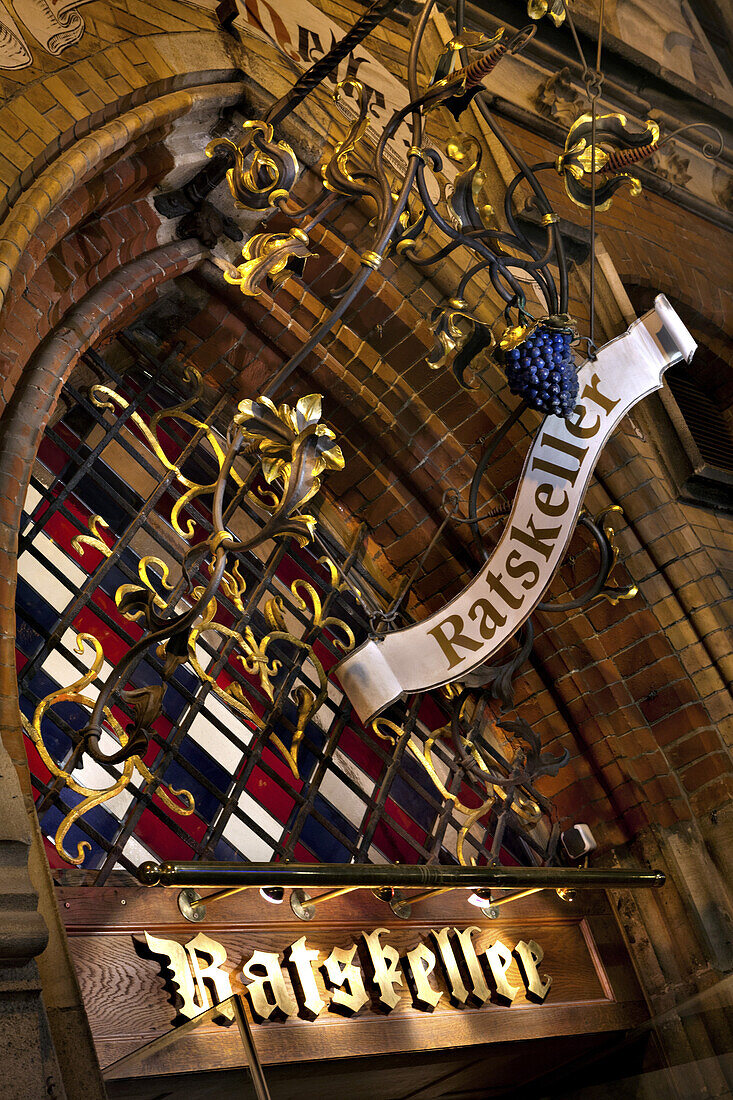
<point x="453" y="327"/>
<point x="280" y="433"/>
<point x="264" y="169"/>
<point x="341" y="172"/>
<point x="270" y="258"/>
<point x="464" y="200"/>
<point x="617" y="145"/>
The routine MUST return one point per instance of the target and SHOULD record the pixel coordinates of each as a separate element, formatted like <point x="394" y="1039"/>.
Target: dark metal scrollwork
<point x="264" y="170"/>
<point x="294" y="450"/>
<point x="616" y="146"/>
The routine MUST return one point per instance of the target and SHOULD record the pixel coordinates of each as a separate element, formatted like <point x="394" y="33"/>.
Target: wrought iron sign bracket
<point x="342" y="878"/>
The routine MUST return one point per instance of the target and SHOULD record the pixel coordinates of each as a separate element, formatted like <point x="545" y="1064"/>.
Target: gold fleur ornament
<point x="536" y="9"/>
<point x="264" y="180"/>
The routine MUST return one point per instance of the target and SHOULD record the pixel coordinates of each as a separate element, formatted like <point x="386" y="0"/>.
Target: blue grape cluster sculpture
<point x="541" y="369"/>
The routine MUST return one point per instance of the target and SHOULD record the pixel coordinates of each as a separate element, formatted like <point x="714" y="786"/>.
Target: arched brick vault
<point x="82" y="253"/>
<point x="637" y="692"/>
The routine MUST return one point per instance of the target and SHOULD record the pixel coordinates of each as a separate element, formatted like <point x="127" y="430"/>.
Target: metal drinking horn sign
<point x="512" y="582"/>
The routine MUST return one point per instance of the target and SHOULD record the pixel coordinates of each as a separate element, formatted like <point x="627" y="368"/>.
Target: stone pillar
<point x="29" y="1065"/>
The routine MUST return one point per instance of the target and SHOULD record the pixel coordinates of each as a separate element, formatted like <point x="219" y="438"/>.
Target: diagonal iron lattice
<point x="232" y="769"/>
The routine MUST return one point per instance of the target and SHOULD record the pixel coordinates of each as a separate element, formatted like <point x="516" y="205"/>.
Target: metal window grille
<point x="704" y="417"/>
<point x="356" y="797"/>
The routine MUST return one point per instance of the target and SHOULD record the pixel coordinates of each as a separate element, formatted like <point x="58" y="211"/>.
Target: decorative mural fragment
<point x="54" y="24"/>
<point x="303" y="34"/>
<point x="14" y="53"/>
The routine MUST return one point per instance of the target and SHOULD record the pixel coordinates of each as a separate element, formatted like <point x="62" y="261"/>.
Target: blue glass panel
<point x="178" y="776"/>
<point x="94" y="495"/>
<point x="322" y="842"/>
<point x="50" y="823"/>
<point x="35" y="608"/>
<point x="27" y="640"/>
<point x="410" y="801"/>
<point x="226" y="853"/>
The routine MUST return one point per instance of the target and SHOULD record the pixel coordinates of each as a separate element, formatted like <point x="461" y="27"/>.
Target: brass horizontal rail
<point x="333" y="876"/>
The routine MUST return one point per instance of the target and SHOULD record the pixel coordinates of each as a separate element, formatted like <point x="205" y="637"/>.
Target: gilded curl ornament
<point x="505" y="788"/>
<point x="64" y="775"/>
<point x="264" y="170"/>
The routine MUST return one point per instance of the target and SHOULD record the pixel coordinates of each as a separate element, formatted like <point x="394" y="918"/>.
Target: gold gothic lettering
<point x="299" y="982"/>
<point x="498" y="960"/>
<point x="480" y="992"/>
<point x="299" y="960"/>
<point x="529" y="955"/>
<point x="265" y="973"/>
<point x="382" y="962"/>
<point x="339" y="972"/>
<point x="457" y="991"/>
<point x="420" y="965"/>
<point x="562" y="459"/>
<point x="188" y="981"/>
<point x="477" y="622"/>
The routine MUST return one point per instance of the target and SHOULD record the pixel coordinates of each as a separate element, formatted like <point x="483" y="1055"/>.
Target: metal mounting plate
<point x="299" y="904"/>
<point x="191" y="911"/>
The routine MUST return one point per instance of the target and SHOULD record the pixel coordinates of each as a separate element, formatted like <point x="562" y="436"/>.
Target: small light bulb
<point x="274" y="894"/>
<point x="480" y="898"/>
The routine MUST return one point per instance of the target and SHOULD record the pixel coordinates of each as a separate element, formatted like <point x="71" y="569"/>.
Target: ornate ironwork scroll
<point x="294" y="449"/>
<point x="175" y="609"/>
<point x="90" y="797"/>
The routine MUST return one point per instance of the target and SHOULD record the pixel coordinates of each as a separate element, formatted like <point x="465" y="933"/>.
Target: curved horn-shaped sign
<point x="556" y="473"/>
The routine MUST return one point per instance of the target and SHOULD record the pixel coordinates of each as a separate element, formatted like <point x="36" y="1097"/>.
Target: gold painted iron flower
<point x="554" y="8"/>
<point x="282" y="434"/>
<point x="617" y="146"/>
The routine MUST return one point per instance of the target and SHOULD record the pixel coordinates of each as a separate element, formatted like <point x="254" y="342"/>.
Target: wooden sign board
<point x="129" y="1003"/>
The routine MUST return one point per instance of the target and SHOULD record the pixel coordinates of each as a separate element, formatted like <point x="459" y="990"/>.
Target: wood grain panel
<point x="593" y="988"/>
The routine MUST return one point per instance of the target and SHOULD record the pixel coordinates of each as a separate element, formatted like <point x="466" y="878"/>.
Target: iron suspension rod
<point x="318" y="72"/>
<point x="215" y="875"/>
<point x="214" y="172"/>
